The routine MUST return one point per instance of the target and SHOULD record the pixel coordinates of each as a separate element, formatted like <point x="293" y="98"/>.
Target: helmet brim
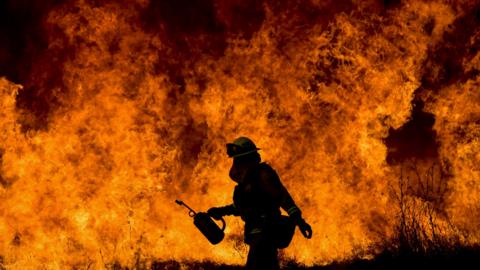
<point x="245" y="153"/>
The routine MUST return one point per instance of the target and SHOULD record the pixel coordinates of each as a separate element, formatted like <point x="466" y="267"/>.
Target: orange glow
<point x="125" y="136"/>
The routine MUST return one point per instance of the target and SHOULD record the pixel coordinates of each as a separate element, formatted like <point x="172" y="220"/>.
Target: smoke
<point x="112" y="109"/>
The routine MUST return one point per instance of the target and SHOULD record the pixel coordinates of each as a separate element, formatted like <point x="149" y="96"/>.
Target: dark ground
<point x="460" y="258"/>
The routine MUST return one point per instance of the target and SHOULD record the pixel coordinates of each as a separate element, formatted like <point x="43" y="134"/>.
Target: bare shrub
<point x="423" y="227"/>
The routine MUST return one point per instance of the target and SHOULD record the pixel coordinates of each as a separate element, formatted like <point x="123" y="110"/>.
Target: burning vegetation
<point x="111" y="110"/>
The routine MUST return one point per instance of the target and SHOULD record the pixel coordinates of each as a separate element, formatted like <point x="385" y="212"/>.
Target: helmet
<point x="241" y="146"/>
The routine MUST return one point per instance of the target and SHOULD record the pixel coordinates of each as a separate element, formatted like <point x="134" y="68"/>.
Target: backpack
<point x="283" y="231"/>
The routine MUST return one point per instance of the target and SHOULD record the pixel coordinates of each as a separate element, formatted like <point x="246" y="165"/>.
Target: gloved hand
<point x="216" y="212"/>
<point x="305" y="229"/>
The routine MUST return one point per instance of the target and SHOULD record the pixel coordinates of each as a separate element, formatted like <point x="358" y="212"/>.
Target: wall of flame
<point x="114" y="109"/>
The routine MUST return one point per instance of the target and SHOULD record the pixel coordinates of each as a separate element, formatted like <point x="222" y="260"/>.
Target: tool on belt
<point x="205" y="224"/>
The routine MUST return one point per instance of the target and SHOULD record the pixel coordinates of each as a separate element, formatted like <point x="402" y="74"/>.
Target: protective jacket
<point x="258" y="199"/>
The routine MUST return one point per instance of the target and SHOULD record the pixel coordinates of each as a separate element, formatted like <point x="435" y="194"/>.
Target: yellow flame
<point x="99" y="184"/>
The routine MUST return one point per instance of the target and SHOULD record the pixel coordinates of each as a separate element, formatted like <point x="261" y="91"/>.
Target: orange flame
<point x="145" y="108"/>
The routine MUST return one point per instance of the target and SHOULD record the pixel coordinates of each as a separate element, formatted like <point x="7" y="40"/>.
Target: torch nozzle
<point x="191" y="212"/>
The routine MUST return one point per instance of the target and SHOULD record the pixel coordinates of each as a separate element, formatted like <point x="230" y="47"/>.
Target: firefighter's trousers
<point x="262" y="254"/>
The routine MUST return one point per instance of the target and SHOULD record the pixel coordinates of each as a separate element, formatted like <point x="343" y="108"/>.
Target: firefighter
<point x="257" y="199"/>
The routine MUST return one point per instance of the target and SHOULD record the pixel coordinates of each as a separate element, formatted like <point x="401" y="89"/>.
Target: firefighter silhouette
<point x="257" y="199"/>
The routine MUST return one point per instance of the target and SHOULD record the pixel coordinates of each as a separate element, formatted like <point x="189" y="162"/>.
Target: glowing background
<point x="125" y="106"/>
